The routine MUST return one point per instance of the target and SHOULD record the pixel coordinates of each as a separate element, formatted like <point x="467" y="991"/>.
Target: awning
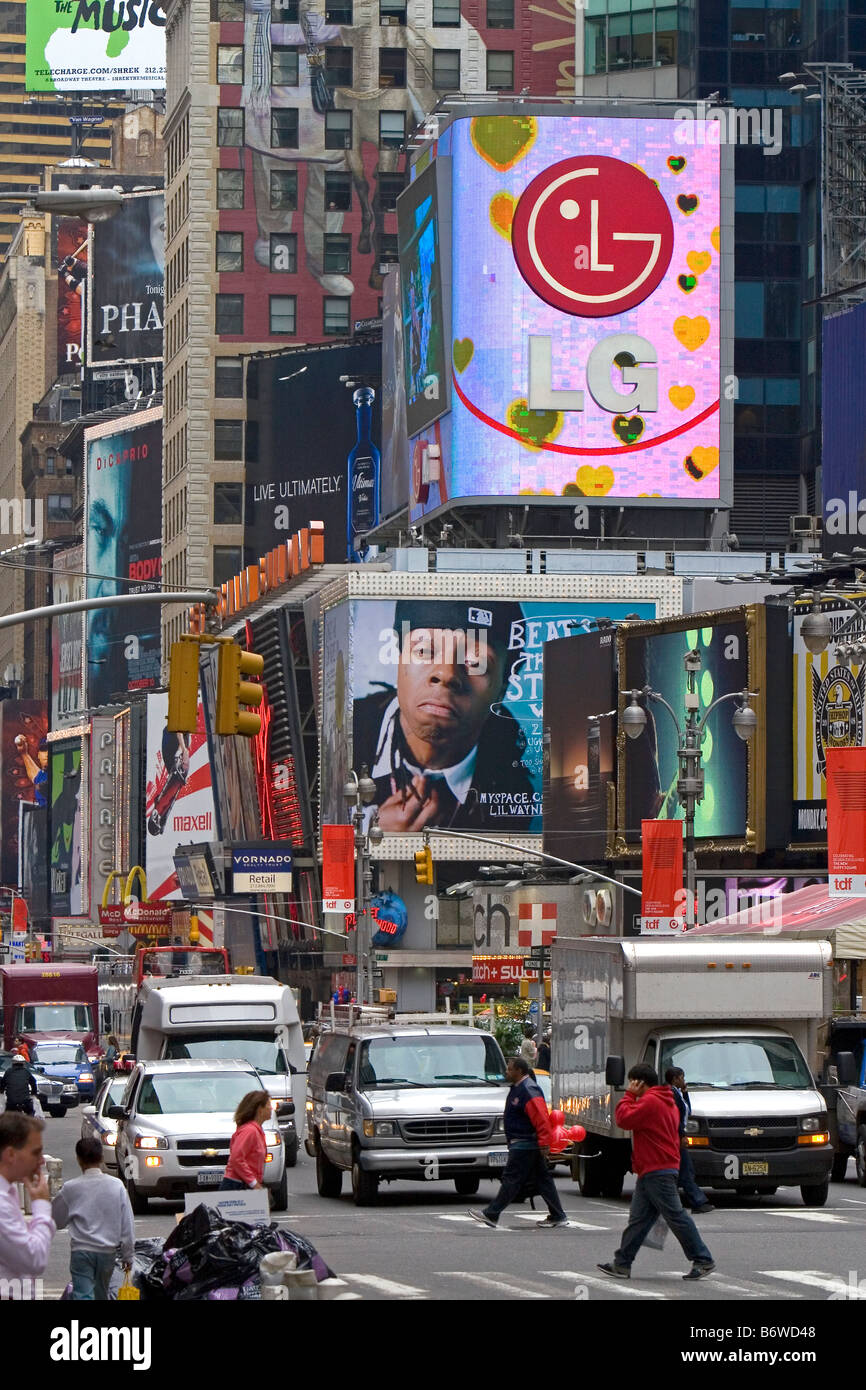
<point x="808" y="914"/>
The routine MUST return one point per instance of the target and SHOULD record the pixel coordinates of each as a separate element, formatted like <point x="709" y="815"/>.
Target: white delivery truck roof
<point x="230" y="1000"/>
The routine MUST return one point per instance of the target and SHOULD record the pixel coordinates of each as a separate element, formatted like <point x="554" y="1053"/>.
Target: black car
<point x="54" y="1096"/>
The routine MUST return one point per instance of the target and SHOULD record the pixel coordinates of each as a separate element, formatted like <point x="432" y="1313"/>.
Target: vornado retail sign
<point x="589" y="355"/>
<point x="95" y="45"/>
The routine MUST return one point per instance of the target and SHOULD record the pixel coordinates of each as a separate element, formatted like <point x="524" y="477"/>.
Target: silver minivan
<point x="401" y="1100"/>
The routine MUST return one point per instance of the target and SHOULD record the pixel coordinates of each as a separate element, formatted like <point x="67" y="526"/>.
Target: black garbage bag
<point x="147" y="1253"/>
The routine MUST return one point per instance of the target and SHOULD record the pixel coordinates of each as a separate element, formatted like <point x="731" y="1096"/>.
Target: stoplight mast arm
<point x="83" y="605"/>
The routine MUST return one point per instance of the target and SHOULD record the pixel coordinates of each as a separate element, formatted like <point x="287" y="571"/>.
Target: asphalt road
<point x="418" y="1243"/>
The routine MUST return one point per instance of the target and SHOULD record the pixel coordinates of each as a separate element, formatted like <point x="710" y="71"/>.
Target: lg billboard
<point x="584" y="282"/>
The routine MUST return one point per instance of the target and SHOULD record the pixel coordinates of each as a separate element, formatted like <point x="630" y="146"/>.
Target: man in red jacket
<point x="650" y="1112"/>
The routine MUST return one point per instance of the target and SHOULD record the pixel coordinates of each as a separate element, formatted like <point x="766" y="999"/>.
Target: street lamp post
<point x="690" y="737"/>
<point x="360" y="792"/>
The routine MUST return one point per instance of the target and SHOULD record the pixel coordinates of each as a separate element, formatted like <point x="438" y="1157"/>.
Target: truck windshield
<point x="430" y="1061"/>
<point x="54" y="1018"/>
<point x="265" y="1054"/>
<point x="200" y="1094"/>
<point x="728" y="1063"/>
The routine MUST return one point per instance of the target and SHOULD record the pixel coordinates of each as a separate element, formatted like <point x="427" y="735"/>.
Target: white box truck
<point x="251" y="1017"/>
<point x="739" y="1018"/>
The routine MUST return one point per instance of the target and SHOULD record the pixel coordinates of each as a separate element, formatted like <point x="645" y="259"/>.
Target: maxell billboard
<point x="590" y="334"/>
<point x="179" y="806"/>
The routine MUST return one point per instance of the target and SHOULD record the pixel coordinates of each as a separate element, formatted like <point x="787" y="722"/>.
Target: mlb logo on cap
<point x="480" y="617"/>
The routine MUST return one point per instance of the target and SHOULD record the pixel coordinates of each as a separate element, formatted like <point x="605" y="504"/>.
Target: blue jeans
<point x="655" y="1195"/>
<point x="91" y="1272"/>
<point x="693" y="1194"/>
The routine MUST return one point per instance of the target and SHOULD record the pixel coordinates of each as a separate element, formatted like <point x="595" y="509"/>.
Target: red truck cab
<point x="54" y="1001"/>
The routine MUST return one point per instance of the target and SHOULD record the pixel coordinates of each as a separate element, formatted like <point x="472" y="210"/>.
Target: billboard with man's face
<point x="588" y="346"/>
<point x="446" y="700"/>
<point x="123" y="554"/>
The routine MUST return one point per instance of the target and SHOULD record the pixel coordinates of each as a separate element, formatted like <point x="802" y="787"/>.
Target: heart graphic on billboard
<point x="535" y="427"/>
<point x="627" y="428"/>
<point x="595" y="482"/>
<point x="715" y="238"/>
<point x="681" y="396"/>
<point x="699" y="261"/>
<point x="687" y="203"/>
<point x="463" y="352"/>
<point x="502" y="207"/>
<point x="700" y="462"/>
<point x="592" y="236"/>
<point x="502" y="141"/>
<point x="692" y="333"/>
<point x="676" y="163"/>
<point x="687" y="283"/>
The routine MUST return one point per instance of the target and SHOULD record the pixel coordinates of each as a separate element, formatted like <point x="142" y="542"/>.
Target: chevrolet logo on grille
<point x="212" y="1153"/>
<point x="753" y="1132"/>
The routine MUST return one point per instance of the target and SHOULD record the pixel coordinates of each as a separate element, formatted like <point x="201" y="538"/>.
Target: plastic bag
<point x="658" y="1234"/>
<point x="127" y="1293"/>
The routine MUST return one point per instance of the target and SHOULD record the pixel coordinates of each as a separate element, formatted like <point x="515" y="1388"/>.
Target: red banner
<point x="497" y="970"/>
<point x="338" y="868"/>
<point x="846" y="822"/>
<point x="662" y="905"/>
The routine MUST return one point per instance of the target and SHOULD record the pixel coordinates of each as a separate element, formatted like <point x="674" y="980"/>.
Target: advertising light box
<point x="95" y="45"/>
<point x="590" y="314"/>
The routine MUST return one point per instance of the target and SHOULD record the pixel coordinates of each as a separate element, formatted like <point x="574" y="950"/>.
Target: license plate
<point x="498" y="1158"/>
<point x="212" y="1178"/>
<point x="755" y="1170"/>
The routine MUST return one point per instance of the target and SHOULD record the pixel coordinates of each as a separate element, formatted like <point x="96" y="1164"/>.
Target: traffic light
<point x="183" y="687"/>
<point x="424" y="865"/>
<point x="233" y="691"/>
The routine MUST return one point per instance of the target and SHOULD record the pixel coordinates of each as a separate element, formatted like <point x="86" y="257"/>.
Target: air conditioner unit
<point x="804" y="525"/>
<point x="393" y="19"/>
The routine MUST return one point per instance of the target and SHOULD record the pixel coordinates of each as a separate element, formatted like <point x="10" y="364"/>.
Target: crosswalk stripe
<point x="826" y="1216"/>
<point x="814" y="1278"/>
<point x="387" y="1286"/>
<point x="594" y="1281"/>
<point x="537" y="1217"/>
<point x="501" y="1285"/>
<point x="743" y="1288"/>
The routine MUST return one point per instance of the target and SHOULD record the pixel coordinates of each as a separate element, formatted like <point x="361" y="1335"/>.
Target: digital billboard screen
<point x="579" y="750"/>
<point x="588" y="345"/>
<point x="423" y="303"/>
<point x="95" y="45"/>
<point x="123" y="553"/>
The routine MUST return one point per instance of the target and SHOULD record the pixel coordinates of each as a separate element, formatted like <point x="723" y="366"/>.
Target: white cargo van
<point x="251" y="1017"/>
<point x="739" y="1018"/>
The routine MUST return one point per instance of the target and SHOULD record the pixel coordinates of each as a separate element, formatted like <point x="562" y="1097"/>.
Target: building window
<point x="230" y="126"/>
<point x="338" y="130"/>
<point x="284" y="252"/>
<point x="228" y="504"/>
<point x="230" y="188"/>
<point x="284" y="67"/>
<point x="229" y="251"/>
<point x="390" y="188"/>
<point x="392" y="129"/>
<point x="500" y="14"/>
<point x="338" y="66"/>
<point x="338" y="255"/>
<point x="59" y="506"/>
<point x="749" y="309"/>
<point x="500" y="72"/>
<point x="283" y="313"/>
<point x="284" y="11"/>
<point x="392" y="11"/>
<point x="228" y="377"/>
<point x="227" y="561"/>
<point x="228" y="11"/>
<point x="284" y="189"/>
<point x="230" y="313"/>
<point x="284" y="128"/>
<point x="388" y="249"/>
<point x="446" y="69"/>
<point x="392" y="67"/>
<point x="336" y="314"/>
<point x="338" y="192"/>
<point x="230" y="63"/>
<point x="446" y="14"/>
<point x="228" y="439"/>
<point x="338" y="12"/>
<point x="50" y="459"/>
<point x="644" y="37"/>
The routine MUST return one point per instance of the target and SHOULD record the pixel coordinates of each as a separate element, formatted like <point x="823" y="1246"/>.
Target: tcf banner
<point x="662" y="905"/>
<point x="846" y="822"/>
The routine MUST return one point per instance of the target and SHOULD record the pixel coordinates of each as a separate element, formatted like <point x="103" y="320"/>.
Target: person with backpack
<point x="18" y="1084"/>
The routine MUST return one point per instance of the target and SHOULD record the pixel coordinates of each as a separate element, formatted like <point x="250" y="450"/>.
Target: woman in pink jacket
<point x="246" y="1165"/>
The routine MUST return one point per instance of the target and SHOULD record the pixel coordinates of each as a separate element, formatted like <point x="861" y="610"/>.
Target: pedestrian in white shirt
<point x="24" y="1245"/>
<point x="96" y="1209"/>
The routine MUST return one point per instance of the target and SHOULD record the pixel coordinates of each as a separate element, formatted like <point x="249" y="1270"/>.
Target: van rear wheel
<point x="329" y="1179"/>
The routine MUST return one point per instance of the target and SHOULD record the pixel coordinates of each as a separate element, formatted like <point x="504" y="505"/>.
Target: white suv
<point x="174" y="1128"/>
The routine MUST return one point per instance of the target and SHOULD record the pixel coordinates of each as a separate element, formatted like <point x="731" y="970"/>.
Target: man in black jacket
<point x="19" y="1086"/>
<point x="527" y="1133"/>
<point x="693" y="1195"/>
<point x="441" y="747"/>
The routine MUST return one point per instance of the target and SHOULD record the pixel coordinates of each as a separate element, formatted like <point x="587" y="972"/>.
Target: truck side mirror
<point x="285" y="1107"/>
<point x="846" y="1067"/>
<point x="336" y="1081"/>
<point x="614" y="1072"/>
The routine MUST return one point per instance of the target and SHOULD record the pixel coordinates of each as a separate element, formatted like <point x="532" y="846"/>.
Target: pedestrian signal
<point x="233" y="691"/>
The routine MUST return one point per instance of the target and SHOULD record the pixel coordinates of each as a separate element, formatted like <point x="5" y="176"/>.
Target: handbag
<point x="128" y="1293"/>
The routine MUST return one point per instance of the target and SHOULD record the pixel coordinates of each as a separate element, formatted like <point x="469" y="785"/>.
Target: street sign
<point x="537" y="960"/>
<point x="533" y="1008"/>
<point x="264" y="868"/>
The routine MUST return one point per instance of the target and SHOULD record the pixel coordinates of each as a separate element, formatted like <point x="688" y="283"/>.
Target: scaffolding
<point x="843" y="182"/>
